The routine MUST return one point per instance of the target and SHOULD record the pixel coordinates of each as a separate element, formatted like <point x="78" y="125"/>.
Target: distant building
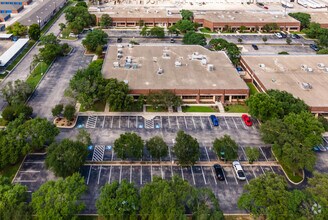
<point x="10" y="8"/>
<point x="4" y="17"/>
<point x="42" y="13"/>
<point x="192" y="72"/>
<point x="15" y="2"/>
<point x="320" y="18"/>
<point x="304" y="76"/>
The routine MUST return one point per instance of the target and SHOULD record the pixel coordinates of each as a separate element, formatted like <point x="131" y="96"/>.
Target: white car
<point x="278" y="35"/>
<point x="239" y="170"/>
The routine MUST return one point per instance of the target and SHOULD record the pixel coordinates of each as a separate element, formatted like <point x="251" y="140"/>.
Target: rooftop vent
<point x="160" y="71"/>
<point x="321" y="66"/>
<point x="128" y="59"/>
<point x="306" y="86"/>
<point x="306" y="68"/>
<point x="178" y="63"/>
<point x="119" y="50"/>
<point x="155" y="59"/>
<point x="196" y="56"/>
<point x="261" y="65"/>
<point x="116" y="64"/>
<point x="130" y="45"/>
<point x="326" y="69"/>
<point x="210" y="67"/>
<point x="204" y="61"/>
<point x="120" y="46"/>
<point x="119" y="55"/>
<point x="166" y="55"/>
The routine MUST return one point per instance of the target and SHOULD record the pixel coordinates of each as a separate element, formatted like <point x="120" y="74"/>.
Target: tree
<point x="314" y="30"/>
<point x="118" y="201"/>
<point x="78" y="18"/>
<point x="13" y="201"/>
<point x="99" y="50"/>
<point x="157" y="147"/>
<point x="17" y="29"/>
<point x="230" y="48"/>
<point x="59" y="199"/>
<point x="252" y="154"/>
<point x="270" y="27"/>
<point x="12" y="112"/>
<point x="288" y="40"/>
<point x="105" y="21"/>
<point x="304" y="18"/>
<point x="57" y="110"/>
<point x="186" y="148"/>
<point x="93" y="39"/>
<point x="264" y="39"/>
<point x="144" y="31"/>
<point x="8" y="113"/>
<point x="117" y="93"/>
<point x="62" y="26"/>
<point x="240" y="40"/>
<point x="165" y="98"/>
<point x="66" y="157"/>
<point x="184" y="26"/>
<point x="81" y="4"/>
<point x="157" y="32"/>
<point x="226" y="148"/>
<point x="129" y="145"/>
<point x="16" y="92"/>
<point x="242" y="29"/>
<point x="266" y="195"/>
<point x="186" y="14"/>
<point x="34" y="32"/>
<point x="49" y="39"/>
<point x="324" y="122"/>
<point x="69" y="112"/>
<point x="84" y="137"/>
<point x="140" y="102"/>
<point x="318" y="188"/>
<point x="193" y="38"/>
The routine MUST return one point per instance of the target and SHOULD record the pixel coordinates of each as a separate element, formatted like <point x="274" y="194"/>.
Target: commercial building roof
<point x="10" y="7"/>
<point x="14" y="0"/>
<point x="171" y="67"/>
<point x="5" y="36"/>
<point x="3" y="15"/>
<point x="12" y="51"/>
<point x="133" y="12"/>
<point x="304" y="76"/>
<point x="319" y="17"/>
<point x="242" y="16"/>
<point x="44" y="10"/>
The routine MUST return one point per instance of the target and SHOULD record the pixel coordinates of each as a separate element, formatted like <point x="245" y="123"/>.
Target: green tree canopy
<point x="17" y="92"/>
<point x="318" y="188"/>
<point x="186" y="14"/>
<point x="78" y="18"/>
<point x="226" y="148"/>
<point x="69" y="112"/>
<point x="129" y="145"/>
<point x="17" y="29"/>
<point x="157" y="32"/>
<point x="34" y="32"/>
<point x="117" y="93"/>
<point x="49" y="39"/>
<point x="10" y="113"/>
<point x="164" y="98"/>
<point x="304" y="18"/>
<point x="57" y="110"/>
<point x="66" y="157"/>
<point x="193" y="38"/>
<point x="94" y="39"/>
<point x="230" y="48"/>
<point x="157" y="147"/>
<point x="105" y="21"/>
<point x="84" y="137"/>
<point x="186" y="149"/>
<point x="13" y="201"/>
<point x="270" y="27"/>
<point x="252" y="154"/>
<point x="118" y="201"/>
<point x="59" y="199"/>
<point x="184" y="26"/>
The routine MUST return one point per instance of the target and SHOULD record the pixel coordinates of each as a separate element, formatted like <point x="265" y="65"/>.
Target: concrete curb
<point x="68" y="127"/>
<point x="292" y="182"/>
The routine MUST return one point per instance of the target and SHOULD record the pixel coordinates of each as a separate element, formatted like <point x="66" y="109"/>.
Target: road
<point x="22" y="70"/>
<point x="50" y="91"/>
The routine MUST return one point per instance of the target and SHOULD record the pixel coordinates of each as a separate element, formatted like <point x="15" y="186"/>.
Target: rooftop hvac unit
<point x="326" y="69"/>
<point x="306" y="86"/>
<point x="120" y="46"/>
<point x="119" y="50"/>
<point x="160" y="71"/>
<point x="178" y="63"/>
<point x="261" y="65"/>
<point x="169" y="12"/>
<point x="204" y="61"/>
<point x="119" y="55"/>
<point x="210" y="67"/>
<point x="128" y="59"/>
<point x="166" y="55"/>
<point x="126" y="81"/>
<point x="116" y="64"/>
<point x="309" y="69"/>
<point x="130" y="45"/>
<point x="135" y="66"/>
<point x="321" y="66"/>
<point x="196" y="56"/>
<point x="304" y="67"/>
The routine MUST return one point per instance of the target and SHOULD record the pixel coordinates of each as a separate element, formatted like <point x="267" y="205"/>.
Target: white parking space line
<point x="225" y="179"/>
<point x="162" y="172"/>
<point x="214" y="176"/>
<point x="36" y="162"/>
<point x="89" y="175"/>
<point x="262" y="170"/>
<point x="151" y="172"/>
<point x="170" y="153"/>
<point x="226" y="123"/>
<point x="168" y="119"/>
<point x="253" y="171"/>
<point x="99" y="175"/>
<point x="171" y="172"/>
<point x="161" y="121"/>
<point x="208" y="157"/>
<point x="103" y="124"/>
<point x="210" y="122"/>
<point x="111" y="123"/>
<point x="128" y="121"/>
<point x="234" y="122"/>
<point x="30" y="171"/>
<point x="177" y="122"/>
<point x="182" y="173"/>
<point x="112" y="153"/>
<point x="243" y="123"/>
<point x="201" y="122"/>
<point x="272" y="169"/>
<point x="193" y="121"/>
<point x="120" y="174"/>
<point x="110" y="173"/>
<point x="201" y="167"/>
<point x="246" y="178"/>
<point x="140" y="175"/>
<point x="193" y="177"/>
<point x="130" y="173"/>
<point x="243" y="152"/>
<point x="137" y="122"/>
<point x="234" y="175"/>
<point x="119" y="122"/>
<point x="263" y="154"/>
<point x="184" y="117"/>
<point x="25" y="181"/>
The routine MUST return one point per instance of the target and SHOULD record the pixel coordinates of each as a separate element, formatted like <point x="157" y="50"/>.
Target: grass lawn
<point x="99" y="106"/>
<point x="37" y="74"/>
<point x="10" y="171"/>
<point x="252" y="88"/>
<point x="237" y="217"/>
<point x="236" y="108"/>
<point x="205" y="30"/>
<point x="197" y="109"/>
<point x="159" y="109"/>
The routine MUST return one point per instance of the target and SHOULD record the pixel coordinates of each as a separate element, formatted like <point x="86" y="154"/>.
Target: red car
<point x="247" y="120"/>
<point x="266" y="7"/>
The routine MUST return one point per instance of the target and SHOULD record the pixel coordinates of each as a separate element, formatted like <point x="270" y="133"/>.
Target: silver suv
<point x="239" y="170"/>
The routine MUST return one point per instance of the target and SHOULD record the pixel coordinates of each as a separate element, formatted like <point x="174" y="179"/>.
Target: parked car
<point x="255" y="47"/>
<point x="266" y="7"/>
<point x="283" y="34"/>
<point x="219" y="172"/>
<point x="278" y="35"/>
<point x="295" y="36"/>
<point x="239" y="170"/>
<point x="260" y="4"/>
<point x="316" y="149"/>
<point x="247" y="120"/>
<point x="322" y="148"/>
<point x="239" y="69"/>
<point x="172" y="40"/>
<point x="214" y="120"/>
<point x="119" y="40"/>
<point x="314" y="47"/>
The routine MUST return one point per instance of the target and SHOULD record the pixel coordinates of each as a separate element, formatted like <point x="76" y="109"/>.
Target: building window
<point x="188" y="97"/>
<point x="238" y="97"/>
<point x="206" y="97"/>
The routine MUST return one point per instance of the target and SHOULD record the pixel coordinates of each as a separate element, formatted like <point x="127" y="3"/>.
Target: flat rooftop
<point x="242" y="16"/>
<point x="286" y="73"/>
<point x="319" y="17"/>
<point x="136" y="12"/>
<point x="172" y="67"/>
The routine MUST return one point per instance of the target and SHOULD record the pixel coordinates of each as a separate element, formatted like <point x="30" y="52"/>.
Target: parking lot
<point x="33" y="173"/>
